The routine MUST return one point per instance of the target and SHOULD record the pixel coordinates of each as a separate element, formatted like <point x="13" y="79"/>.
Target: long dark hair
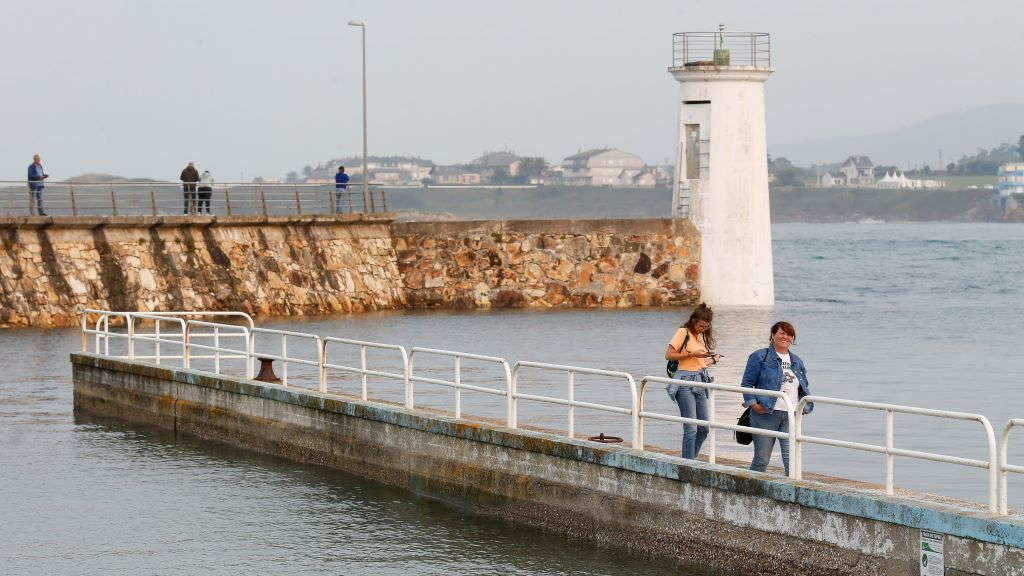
<point x="702" y="312"/>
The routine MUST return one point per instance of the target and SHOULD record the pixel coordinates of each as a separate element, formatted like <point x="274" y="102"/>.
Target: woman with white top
<point x="774" y="368"/>
<point x="691" y="348"/>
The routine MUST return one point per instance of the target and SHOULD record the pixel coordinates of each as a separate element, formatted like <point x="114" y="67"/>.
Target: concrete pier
<point x="697" y="513"/>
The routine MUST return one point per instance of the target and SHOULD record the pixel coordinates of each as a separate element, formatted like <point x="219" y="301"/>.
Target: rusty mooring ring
<point x="605" y="439"/>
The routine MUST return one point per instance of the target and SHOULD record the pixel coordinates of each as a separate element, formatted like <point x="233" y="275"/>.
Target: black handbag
<point x="744" y="438"/>
<point x="672" y="365"/>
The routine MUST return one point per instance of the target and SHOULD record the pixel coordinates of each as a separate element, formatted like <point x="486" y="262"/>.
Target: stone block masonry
<point x="548" y="263"/>
<point x="50" y="268"/>
<point x="264" y="266"/>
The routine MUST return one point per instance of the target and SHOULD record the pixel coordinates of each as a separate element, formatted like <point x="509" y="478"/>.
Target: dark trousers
<point x="204" y="199"/>
<point x="190" y="198"/>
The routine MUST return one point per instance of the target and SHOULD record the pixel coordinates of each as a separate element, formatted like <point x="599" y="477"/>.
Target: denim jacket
<point x="764" y="371"/>
<point x="35" y="177"/>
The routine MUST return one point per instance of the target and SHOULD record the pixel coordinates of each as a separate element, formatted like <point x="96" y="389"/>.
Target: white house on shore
<point x="1011" y="178"/>
<point x="605" y="167"/>
<point x="856" y="171"/>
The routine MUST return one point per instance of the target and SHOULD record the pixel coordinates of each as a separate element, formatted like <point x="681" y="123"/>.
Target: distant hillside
<point x="956" y="133"/>
<point x="92" y="178"/>
<point x="787" y="204"/>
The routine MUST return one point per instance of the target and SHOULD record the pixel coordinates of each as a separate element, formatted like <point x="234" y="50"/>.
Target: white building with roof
<point x="1011" y="178"/>
<point x="601" y="167"/>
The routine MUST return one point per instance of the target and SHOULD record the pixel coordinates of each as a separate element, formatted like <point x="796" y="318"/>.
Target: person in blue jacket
<point x="774" y="368"/>
<point x="35" y="186"/>
<point x="340" y="187"/>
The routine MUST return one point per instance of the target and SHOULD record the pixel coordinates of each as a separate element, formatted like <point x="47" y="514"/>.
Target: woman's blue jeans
<point x="763" y="445"/>
<point x="693" y="403"/>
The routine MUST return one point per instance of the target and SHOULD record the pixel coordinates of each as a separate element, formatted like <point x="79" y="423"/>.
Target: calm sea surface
<point x="920" y="314"/>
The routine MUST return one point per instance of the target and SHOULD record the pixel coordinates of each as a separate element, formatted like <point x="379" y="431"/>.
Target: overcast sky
<point x="140" y="87"/>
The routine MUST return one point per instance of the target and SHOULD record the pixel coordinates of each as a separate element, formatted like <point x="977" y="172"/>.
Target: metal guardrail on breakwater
<point x="168" y="198"/>
<point x="207" y="337"/>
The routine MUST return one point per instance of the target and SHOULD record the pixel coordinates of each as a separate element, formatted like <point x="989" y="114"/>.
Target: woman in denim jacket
<point x="774" y="368"/>
<point x="691" y="346"/>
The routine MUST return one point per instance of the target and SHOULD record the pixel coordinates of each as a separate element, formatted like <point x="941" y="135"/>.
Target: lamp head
<point x="359" y="23"/>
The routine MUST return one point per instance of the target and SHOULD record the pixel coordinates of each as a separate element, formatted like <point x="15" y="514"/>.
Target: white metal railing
<point x="170" y="198"/>
<point x="216" y="347"/>
<point x="158" y="338"/>
<point x="890" y="451"/>
<point x="365" y="372"/>
<point x="190" y="330"/>
<point x="711" y="423"/>
<point x="285" y="358"/>
<point x="1004" y="467"/>
<point x="457" y="383"/>
<point x="570" y="401"/>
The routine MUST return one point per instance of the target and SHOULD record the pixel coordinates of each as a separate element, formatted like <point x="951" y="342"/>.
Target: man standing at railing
<point x="205" y="190"/>
<point x="189" y="177"/>
<point x="340" y="188"/>
<point x="35" y="186"/>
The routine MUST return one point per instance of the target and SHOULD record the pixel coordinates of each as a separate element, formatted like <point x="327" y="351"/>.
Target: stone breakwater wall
<point x="266" y="266"/>
<point x="50" y="268"/>
<point x="548" y="263"/>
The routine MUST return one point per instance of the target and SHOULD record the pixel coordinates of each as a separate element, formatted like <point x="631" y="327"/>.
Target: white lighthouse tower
<point x="721" y="181"/>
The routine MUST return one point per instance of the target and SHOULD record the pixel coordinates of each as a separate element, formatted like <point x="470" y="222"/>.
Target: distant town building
<point x="455" y="175"/>
<point x="382" y="169"/>
<point x="857" y="171"/>
<point x="1011" y="178"/>
<point x="497" y="165"/>
<point x="602" y="167"/>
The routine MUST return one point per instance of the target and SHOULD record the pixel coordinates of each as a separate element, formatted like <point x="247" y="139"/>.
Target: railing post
<point x="791" y="415"/>
<point x="216" y="352"/>
<point x="362" y="364"/>
<point x="130" y="320"/>
<point x="1004" y="441"/>
<point x="263" y="200"/>
<point x="85" y="337"/>
<point x="156" y="343"/>
<point x="890" y="464"/>
<point x="384" y="199"/>
<point x="572" y="409"/>
<point x="458" y="390"/>
<point x="796" y="448"/>
<point x="993" y="466"/>
<point x="332" y="201"/>
<point x="250" y="338"/>
<point x="185" y="342"/>
<point x="509" y="419"/>
<point x="640" y="440"/>
<point x="152" y="201"/>
<point x="74" y="206"/>
<point x="298" y="202"/>
<point x="113" y="200"/>
<point x="513" y="399"/>
<point x="712" y="431"/>
<point x="349" y="198"/>
<point x="410" y="400"/>
<point x="284" y="360"/>
<point x="321" y="359"/>
<point x="227" y="201"/>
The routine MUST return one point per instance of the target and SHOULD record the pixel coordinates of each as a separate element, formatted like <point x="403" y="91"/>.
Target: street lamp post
<point x="366" y="189"/>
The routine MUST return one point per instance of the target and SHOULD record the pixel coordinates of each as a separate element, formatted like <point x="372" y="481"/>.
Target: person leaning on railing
<point x="35" y="186"/>
<point x="774" y="368"/>
<point x="689" y="354"/>
<point x="205" y="191"/>
<point x="189" y="177"/>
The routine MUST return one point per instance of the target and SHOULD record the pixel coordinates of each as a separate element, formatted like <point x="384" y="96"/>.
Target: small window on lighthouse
<point x="692" y="154"/>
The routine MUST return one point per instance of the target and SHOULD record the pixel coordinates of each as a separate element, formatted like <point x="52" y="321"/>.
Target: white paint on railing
<point x="711" y="423"/>
<point x="890" y="452"/>
<point x="1004" y="466"/>
<point x="363" y="371"/>
<point x="457" y="383"/>
<point x="285" y="358"/>
<point x="570" y="401"/>
<point x="996" y="464"/>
